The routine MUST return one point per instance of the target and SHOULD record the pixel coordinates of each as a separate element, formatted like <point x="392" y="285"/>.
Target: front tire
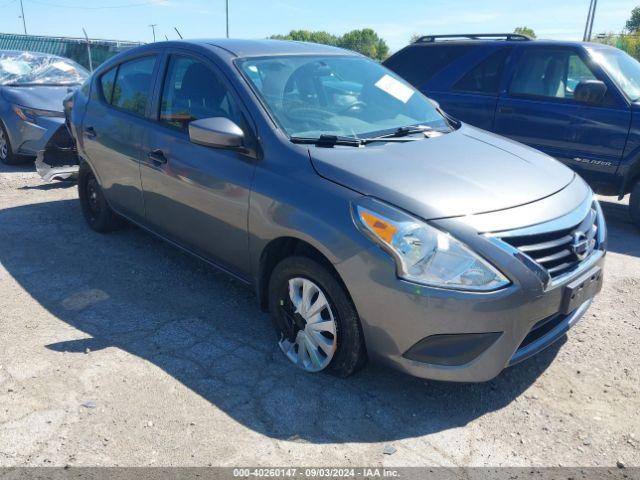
<point x="634" y="204"/>
<point x="95" y="208"/>
<point x="6" y="154"/>
<point x="317" y="325"/>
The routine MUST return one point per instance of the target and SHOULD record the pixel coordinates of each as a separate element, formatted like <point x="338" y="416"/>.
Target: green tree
<point x="633" y="24"/>
<point x="308" y="36"/>
<point x="366" y="42"/>
<point x="525" y="31"/>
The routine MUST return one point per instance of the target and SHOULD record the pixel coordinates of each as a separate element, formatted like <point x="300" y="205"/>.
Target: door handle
<point x="157" y="156"/>
<point x="506" y="110"/>
<point x="90" y="132"/>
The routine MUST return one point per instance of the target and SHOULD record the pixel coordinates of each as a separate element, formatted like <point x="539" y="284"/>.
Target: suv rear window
<point x="484" y="77"/>
<point x="418" y="63"/>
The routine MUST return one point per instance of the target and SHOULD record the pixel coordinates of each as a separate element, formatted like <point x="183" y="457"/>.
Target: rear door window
<point x="418" y="63"/>
<point x="486" y="76"/>
<point x="132" y="88"/>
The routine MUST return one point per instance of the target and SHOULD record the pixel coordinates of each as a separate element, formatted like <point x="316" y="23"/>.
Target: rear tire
<point x="341" y="357"/>
<point x="634" y="204"/>
<point x="95" y="208"/>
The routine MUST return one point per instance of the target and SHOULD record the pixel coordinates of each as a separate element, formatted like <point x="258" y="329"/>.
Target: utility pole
<point x="153" y="28"/>
<point x="88" y="49"/>
<point x="593" y="18"/>
<point x="588" y="29"/>
<point x="227" y="4"/>
<point x="24" y="22"/>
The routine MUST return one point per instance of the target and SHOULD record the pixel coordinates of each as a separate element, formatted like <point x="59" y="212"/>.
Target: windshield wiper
<point x="411" y="129"/>
<point x="329" y="141"/>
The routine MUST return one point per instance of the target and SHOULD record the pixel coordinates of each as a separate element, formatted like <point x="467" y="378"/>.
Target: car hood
<point x="43" y="98"/>
<point x="466" y="172"/>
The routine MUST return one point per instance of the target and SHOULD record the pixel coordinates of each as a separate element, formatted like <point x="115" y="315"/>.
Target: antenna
<point x="178" y="32"/>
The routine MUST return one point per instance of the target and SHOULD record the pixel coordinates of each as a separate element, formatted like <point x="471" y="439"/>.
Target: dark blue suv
<point x="578" y="102"/>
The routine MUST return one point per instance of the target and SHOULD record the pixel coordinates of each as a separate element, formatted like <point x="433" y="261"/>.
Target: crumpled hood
<point x="466" y="172"/>
<point x="43" y="98"/>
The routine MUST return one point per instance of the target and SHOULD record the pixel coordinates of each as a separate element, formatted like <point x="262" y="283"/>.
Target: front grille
<point x="560" y="251"/>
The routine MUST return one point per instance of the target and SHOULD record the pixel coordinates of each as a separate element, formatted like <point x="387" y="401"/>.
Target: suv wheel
<point x="634" y="204"/>
<point x="317" y="325"/>
<point x="95" y="208"/>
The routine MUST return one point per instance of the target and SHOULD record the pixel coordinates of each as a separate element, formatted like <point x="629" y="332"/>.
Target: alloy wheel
<point x="311" y="338"/>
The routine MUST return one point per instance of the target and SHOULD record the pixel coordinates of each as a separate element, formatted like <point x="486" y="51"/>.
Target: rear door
<point x="197" y="196"/>
<point x="538" y="108"/>
<point x="113" y="128"/>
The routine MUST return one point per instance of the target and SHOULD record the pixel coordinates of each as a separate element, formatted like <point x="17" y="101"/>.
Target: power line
<point x="104" y="7"/>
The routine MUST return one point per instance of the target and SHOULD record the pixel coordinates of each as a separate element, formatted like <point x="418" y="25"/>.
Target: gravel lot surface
<point x="120" y="350"/>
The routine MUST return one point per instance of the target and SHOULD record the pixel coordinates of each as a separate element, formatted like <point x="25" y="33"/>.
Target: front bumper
<point x="29" y="138"/>
<point x="500" y="328"/>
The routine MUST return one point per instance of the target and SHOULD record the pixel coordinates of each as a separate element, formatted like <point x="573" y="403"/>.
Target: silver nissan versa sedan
<point x="370" y="223"/>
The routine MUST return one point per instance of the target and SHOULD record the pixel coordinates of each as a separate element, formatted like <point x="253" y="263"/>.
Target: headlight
<point x="30" y="114"/>
<point x="424" y="254"/>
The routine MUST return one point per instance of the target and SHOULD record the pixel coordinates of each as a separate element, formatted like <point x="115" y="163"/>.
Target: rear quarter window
<point x="418" y="63"/>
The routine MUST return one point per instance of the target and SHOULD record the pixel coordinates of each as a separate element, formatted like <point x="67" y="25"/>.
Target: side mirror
<point x="216" y="132"/>
<point x="590" y="91"/>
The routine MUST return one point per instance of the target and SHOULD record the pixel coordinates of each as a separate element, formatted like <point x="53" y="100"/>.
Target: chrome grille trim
<point x="550" y="250"/>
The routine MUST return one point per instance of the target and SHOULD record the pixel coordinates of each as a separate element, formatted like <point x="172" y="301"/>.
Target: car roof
<point x="267" y="47"/>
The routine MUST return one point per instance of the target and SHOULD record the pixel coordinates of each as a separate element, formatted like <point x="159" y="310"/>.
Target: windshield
<point x="623" y="69"/>
<point x="312" y="96"/>
<point x="25" y="68"/>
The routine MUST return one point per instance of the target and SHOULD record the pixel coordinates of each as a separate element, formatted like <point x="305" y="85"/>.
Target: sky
<point x="394" y="20"/>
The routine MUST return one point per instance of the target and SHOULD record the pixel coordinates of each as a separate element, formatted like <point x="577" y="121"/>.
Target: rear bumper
<point x="59" y="159"/>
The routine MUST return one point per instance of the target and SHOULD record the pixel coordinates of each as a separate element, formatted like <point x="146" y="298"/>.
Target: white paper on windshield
<point x="65" y="67"/>
<point x="395" y="88"/>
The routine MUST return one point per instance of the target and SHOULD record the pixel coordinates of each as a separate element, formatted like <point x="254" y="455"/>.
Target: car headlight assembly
<point x="30" y="114"/>
<point x="424" y="254"/>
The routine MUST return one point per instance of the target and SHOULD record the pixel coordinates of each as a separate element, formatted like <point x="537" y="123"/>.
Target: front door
<point x="538" y="109"/>
<point x="194" y="195"/>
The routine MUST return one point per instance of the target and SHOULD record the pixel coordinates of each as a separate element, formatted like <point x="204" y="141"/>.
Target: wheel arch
<point x="283" y="247"/>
